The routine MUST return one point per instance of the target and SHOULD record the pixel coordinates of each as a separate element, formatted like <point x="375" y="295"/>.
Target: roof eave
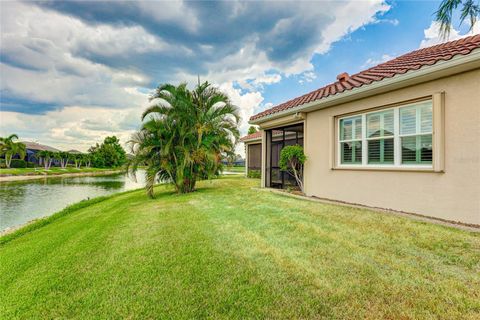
<point x="457" y="64"/>
<point x="251" y="140"/>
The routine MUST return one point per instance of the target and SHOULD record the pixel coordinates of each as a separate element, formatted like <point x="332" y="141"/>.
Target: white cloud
<point x="72" y="127"/>
<point x="267" y="79"/>
<point x="432" y="34"/>
<point x="307" y="76"/>
<point x="66" y="61"/>
<point x="348" y="18"/>
<point x="325" y="24"/>
<point x="45" y="68"/>
<point x="247" y="103"/>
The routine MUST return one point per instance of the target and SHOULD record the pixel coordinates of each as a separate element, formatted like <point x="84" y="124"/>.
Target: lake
<point x="22" y="201"/>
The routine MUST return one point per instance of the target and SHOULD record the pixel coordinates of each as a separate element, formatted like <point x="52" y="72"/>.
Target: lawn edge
<point x="11" y="178"/>
<point x="472" y="228"/>
<point x="41" y="222"/>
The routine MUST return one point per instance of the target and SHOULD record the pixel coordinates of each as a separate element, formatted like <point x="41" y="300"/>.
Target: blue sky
<point x="74" y="72"/>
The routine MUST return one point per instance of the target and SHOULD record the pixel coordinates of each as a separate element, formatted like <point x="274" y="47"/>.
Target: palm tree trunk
<point x="8" y="160"/>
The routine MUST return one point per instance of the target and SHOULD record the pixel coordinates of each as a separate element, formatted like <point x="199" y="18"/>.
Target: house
<point x="33" y="148"/>
<point x="74" y="151"/>
<point x="238" y="161"/>
<point x="403" y="135"/>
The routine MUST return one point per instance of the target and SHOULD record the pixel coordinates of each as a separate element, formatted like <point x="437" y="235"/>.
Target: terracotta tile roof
<point x="258" y="135"/>
<point x="407" y="62"/>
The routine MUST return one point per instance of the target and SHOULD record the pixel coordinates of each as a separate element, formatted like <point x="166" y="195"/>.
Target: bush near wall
<point x="18" y="163"/>
<point x="30" y="165"/>
<point x="255" y="174"/>
<point x="2" y="163"/>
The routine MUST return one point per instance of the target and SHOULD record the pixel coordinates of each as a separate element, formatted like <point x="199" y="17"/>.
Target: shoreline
<point x="57" y="175"/>
<point x="13" y="232"/>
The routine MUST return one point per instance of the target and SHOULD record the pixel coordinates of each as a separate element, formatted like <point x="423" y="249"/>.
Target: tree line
<point x="108" y="154"/>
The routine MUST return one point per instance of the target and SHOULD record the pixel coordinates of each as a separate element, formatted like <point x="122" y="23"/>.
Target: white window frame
<point x="353" y="138"/>
<point x="397" y="164"/>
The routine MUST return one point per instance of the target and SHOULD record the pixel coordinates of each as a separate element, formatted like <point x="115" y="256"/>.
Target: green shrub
<point x="30" y="165"/>
<point x="18" y="163"/>
<point x="255" y="174"/>
<point x="292" y="159"/>
<point x="2" y="163"/>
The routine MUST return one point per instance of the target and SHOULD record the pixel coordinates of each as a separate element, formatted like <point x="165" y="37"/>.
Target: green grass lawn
<point x="52" y="171"/>
<point x="235" y="169"/>
<point x="230" y="251"/>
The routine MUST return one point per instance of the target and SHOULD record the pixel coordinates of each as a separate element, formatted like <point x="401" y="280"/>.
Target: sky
<point x="72" y="73"/>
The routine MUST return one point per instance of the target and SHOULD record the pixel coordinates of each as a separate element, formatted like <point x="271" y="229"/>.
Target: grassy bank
<point x="229" y="251"/>
<point x="52" y="171"/>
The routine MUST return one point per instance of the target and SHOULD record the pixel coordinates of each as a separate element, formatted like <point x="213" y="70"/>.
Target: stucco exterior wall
<point x="451" y="195"/>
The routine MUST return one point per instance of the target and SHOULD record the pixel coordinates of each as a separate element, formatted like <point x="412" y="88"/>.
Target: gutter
<point x="251" y="140"/>
<point x="440" y="69"/>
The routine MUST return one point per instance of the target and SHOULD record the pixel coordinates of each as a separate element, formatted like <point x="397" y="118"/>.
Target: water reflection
<point x="22" y="201"/>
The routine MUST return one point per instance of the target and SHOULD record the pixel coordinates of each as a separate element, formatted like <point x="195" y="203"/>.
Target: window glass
<point x="373" y="125"/>
<point x="351" y="152"/>
<point x="358" y="128"/>
<point x="351" y="129"/>
<point x="380" y="151"/>
<point x="380" y="124"/>
<point x="346" y="129"/>
<point x="426" y="118"/>
<point x="416" y="123"/>
<point x="417" y="149"/>
<point x="408" y="119"/>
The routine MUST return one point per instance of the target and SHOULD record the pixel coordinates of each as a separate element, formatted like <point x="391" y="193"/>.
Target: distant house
<point x="33" y="148"/>
<point x="402" y="135"/>
<point x="73" y="151"/>
<point x="239" y="161"/>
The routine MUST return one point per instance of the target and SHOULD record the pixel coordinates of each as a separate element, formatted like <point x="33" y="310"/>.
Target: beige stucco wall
<point x="452" y="195"/>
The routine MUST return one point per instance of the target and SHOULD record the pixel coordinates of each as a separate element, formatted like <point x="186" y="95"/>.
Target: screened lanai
<point x="276" y="140"/>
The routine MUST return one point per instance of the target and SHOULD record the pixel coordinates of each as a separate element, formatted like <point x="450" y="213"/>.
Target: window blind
<point x="373" y="138"/>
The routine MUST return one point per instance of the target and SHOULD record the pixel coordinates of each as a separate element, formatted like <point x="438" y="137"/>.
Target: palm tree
<point x="47" y="158"/>
<point x="62" y="156"/>
<point x="76" y="158"/>
<point x="185" y="136"/>
<point x="252" y="130"/>
<point x="86" y="159"/>
<point x="9" y="148"/>
<point x="445" y="11"/>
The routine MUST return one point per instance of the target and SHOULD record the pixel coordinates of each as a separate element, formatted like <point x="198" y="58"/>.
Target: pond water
<point x="22" y="201"/>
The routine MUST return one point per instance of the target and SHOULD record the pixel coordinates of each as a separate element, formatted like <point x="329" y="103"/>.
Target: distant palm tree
<point x="470" y="10"/>
<point x="77" y="159"/>
<point x="63" y="156"/>
<point x="86" y="159"/>
<point x="252" y="130"/>
<point x="47" y="158"/>
<point x="9" y="148"/>
<point x="185" y="137"/>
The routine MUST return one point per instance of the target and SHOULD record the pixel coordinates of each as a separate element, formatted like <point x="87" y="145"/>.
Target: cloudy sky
<point x="73" y="72"/>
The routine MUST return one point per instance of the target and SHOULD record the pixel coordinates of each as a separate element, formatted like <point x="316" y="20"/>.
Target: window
<point x="380" y="141"/>
<point x="351" y="140"/>
<point x="416" y="134"/>
<point x="394" y="137"/>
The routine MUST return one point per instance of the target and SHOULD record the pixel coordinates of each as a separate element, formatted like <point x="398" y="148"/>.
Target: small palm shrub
<point x="184" y="136"/>
<point x="292" y="159"/>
